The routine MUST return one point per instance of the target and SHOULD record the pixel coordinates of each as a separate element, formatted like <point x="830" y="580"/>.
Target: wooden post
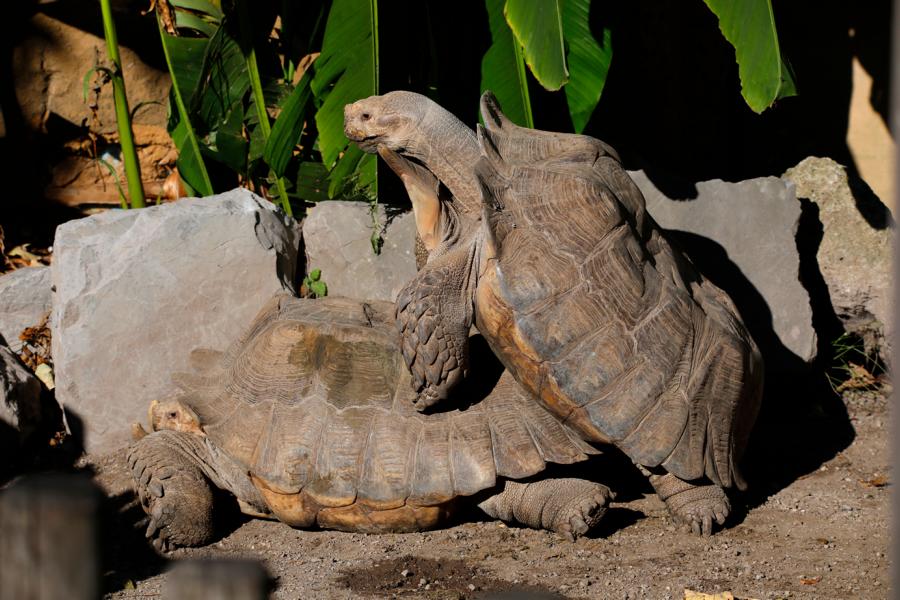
<point x="49" y="544"/>
<point x="217" y="580"/>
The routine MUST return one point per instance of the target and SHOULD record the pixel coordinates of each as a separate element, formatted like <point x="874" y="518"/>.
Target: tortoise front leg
<point x="173" y="489"/>
<point x="568" y="506"/>
<point x="434" y="315"/>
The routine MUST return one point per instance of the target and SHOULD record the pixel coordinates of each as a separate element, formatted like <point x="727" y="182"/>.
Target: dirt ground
<point x="815" y="524"/>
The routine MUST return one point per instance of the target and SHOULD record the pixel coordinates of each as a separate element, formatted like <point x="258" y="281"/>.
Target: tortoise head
<point x="391" y="120"/>
<point x="174" y="415"/>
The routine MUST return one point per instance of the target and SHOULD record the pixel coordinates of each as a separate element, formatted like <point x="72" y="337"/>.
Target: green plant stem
<point x="184" y="117"/>
<point x="123" y="114"/>
<point x="256" y="87"/>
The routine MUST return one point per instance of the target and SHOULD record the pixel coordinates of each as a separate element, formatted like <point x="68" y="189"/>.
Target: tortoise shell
<point x="315" y="403"/>
<point x="594" y="311"/>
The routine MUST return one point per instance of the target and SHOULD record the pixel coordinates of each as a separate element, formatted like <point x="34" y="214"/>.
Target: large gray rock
<point x="854" y="255"/>
<point x="136" y="291"/>
<point x="20" y="400"/>
<point x="24" y="302"/>
<point x="742" y="236"/>
<point x="337" y="236"/>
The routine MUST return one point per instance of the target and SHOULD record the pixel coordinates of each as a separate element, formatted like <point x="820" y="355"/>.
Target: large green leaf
<point x="312" y="182"/>
<point x="205" y="8"/>
<point x="183" y="57"/>
<point x="750" y="27"/>
<point x="537" y="25"/>
<point x="346" y="71"/>
<point x="224" y="81"/>
<point x="229" y="141"/>
<point x="288" y="127"/>
<point x="503" y="68"/>
<point x="588" y="62"/>
<point x="188" y="20"/>
<point x="248" y="49"/>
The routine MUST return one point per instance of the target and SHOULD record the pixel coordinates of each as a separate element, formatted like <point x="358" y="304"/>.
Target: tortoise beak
<point x="356" y="119"/>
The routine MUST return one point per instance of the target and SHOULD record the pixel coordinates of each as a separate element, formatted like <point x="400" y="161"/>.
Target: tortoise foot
<point x="427" y="398"/>
<point x="172" y="489"/>
<point x="587" y="506"/>
<point x="693" y="507"/>
<point x="567" y="506"/>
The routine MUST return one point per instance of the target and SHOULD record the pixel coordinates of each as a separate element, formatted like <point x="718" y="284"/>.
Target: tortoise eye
<point x="173" y="414"/>
<point x="365" y="116"/>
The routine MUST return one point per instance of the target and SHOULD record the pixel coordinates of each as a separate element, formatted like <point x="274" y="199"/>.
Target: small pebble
<point x="471" y="587"/>
<point x="422" y="582"/>
<point x="405" y="573"/>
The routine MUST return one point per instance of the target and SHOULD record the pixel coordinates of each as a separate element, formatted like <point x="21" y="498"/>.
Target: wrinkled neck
<point x="450" y="150"/>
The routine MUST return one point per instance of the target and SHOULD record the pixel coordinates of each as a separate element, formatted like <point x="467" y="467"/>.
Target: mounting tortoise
<point x="309" y="419"/>
<point x="543" y="241"/>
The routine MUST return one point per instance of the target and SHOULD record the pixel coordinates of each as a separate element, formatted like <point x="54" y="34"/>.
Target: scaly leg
<point x="434" y="314"/>
<point x="568" y="506"/>
<point x="172" y="487"/>
<point x="692" y="506"/>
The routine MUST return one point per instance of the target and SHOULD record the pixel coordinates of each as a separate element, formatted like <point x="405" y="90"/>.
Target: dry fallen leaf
<point x="877" y="481"/>
<point x="166" y="15"/>
<point x="172" y="188"/>
<point x="45" y="374"/>
<point x="859" y="378"/>
<point x="692" y="595"/>
<point x="36" y="349"/>
<point x="810" y="580"/>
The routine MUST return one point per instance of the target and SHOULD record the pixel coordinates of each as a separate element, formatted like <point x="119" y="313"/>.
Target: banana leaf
<point x="183" y="57"/>
<point x="588" y="62"/>
<point x="538" y="28"/>
<point x="288" y="127"/>
<point x="749" y="25"/>
<point x="503" y="68"/>
<point x="346" y="71"/>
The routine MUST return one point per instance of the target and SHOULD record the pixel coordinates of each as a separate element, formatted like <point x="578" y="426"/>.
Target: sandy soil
<point x="814" y="525"/>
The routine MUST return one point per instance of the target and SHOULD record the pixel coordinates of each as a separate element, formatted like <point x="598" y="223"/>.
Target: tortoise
<point x="308" y="418"/>
<point x="543" y="241"/>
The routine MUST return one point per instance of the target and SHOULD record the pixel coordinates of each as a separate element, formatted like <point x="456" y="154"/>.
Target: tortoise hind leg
<point x="566" y="505"/>
<point x="171" y="485"/>
<point x="691" y="505"/>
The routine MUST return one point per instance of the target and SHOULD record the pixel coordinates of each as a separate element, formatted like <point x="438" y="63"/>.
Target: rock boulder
<point x="742" y="236"/>
<point x="338" y="240"/>
<point x="20" y="400"/>
<point x="136" y="291"/>
<point x="24" y="302"/>
<point x="854" y="255"/>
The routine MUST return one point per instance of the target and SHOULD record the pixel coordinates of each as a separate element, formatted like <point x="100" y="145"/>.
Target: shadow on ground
<point x="802" y="422"/>
<point x="403" y="577"/>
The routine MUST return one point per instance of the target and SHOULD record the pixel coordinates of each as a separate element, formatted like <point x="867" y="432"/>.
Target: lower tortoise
<point x="309" y="419"/>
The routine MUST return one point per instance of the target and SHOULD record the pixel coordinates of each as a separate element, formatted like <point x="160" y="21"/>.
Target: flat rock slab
<point x="338" y="240"/>
<point x="136" y="291"/>
<point x="24" y="302"/>
<point x="742" y="237"/>
<point x="854" y="255"/>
